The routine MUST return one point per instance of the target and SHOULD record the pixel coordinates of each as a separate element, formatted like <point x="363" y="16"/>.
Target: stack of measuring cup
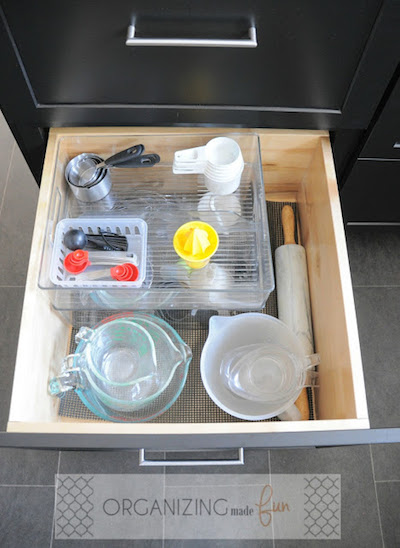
<point x="220" y="160"/>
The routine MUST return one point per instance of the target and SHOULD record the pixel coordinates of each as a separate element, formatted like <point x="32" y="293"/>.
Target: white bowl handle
<point x="291" y="414"/>
<point x="216" y="324"/>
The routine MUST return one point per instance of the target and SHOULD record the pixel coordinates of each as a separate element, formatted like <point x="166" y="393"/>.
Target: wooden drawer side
<point x="44" y="335"/>
<point x="341" y="392"/>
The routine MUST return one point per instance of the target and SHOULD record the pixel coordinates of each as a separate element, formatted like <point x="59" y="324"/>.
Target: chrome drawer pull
<point x="146" y="462"/>
<point x="251" y="42"/>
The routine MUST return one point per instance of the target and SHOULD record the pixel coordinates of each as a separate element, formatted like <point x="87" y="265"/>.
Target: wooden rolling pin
<point x="293" y="293"/>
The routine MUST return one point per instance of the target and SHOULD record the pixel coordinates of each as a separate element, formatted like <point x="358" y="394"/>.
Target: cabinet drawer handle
<point x="204" y="462"/>
<point x="251" y="42"/>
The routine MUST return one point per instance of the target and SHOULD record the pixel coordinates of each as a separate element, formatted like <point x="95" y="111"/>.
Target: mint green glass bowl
<point x="128" y="393"/>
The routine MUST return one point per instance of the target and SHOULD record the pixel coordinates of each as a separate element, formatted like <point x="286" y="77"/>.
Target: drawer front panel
<point x="306" y="57"/>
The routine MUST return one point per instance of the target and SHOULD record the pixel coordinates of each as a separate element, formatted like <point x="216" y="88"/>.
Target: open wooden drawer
<point x="298" y="166"/>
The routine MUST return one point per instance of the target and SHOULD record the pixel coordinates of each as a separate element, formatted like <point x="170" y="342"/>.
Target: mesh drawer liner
<point x="193" y="405"/>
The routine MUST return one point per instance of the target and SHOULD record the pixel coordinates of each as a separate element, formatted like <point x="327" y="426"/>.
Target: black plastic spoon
<point x="107" y="241"/>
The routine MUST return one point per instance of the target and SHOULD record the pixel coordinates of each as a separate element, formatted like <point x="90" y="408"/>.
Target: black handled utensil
<point x="146" y="160"/>
<point x="88" y="176"/>
<point x="106" y="241"/>
<point x="124" y="159"/>
<point x="121" y="157"/>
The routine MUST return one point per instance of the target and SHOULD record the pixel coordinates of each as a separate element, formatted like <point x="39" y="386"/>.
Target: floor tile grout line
<point x="164" y="491"/>
<point x="25" y="485"/>
<point x="12" y="286"/>
<point x="7" y="177"/>
<point x="377" y="286"/>
<point x="376" y="495"/>
<point x="270" y="482"/>
<point x="388" y="481"/>
<point x="53" y="525"/>
<point x="178" y="486"/>
<point x="373" y="225"/>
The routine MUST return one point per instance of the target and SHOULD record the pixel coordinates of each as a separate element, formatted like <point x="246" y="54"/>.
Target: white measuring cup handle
<point x="216" y="324"/>
<point x="190" y="160"/>
<point x="93" y="275"/>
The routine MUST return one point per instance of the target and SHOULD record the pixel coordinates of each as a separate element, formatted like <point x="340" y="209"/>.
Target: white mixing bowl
<point x="229" y="332"/>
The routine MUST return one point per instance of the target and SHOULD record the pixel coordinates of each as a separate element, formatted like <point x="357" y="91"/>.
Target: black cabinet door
<point x="74" y="56"/>
<point x="371" y="193"/>
<point x="75" y="52"/>
<point x="384" y="140"/>
<point x="321" y="65"/>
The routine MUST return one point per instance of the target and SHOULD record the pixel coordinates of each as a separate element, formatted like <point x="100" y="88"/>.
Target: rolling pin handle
<point x="288" y="223"/>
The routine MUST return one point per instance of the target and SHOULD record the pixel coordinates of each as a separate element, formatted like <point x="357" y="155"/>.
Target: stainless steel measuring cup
<point x="100" y="186"/>
<point x="88" y="176"/>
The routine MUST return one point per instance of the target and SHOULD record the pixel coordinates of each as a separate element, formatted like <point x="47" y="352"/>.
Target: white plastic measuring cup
<point x="220" y="160"/>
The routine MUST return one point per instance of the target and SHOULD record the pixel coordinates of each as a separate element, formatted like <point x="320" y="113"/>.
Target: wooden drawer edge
<point x="188" y="428"/>
<point x="346" y="283"/>
<point x="37" y="306"/>
<point x="138" y="130"/>
<point x="331" y="288"/>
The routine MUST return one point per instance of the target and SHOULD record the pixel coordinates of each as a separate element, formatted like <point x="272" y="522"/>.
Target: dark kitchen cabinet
<point x="74" y="53"/>
<point x="317" y="65"/>
<point x="384" y="140"/>
<point x="371" y="192"/>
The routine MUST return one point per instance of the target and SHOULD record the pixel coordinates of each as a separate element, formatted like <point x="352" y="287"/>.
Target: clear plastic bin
<point x="240" y="274"/>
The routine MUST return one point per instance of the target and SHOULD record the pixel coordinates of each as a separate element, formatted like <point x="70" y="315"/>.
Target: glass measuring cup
<point x="264" y="372"/>
<point x="125" y="363"/>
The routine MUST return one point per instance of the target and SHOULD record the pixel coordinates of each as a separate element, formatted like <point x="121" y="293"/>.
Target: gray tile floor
<point x="370" y="475"/>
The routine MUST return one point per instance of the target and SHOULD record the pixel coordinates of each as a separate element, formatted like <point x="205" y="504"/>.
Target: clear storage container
<point x="240" y="274"/>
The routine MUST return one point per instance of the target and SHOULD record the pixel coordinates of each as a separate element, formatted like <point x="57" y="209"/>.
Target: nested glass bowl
<point x="129" y="368"/>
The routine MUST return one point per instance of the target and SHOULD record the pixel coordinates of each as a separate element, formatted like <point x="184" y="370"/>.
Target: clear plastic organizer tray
<point x="239" y="275"/>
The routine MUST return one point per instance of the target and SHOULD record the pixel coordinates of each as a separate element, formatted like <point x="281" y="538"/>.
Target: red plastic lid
<point x="126" y="272"/>
<point x="77" y="261"/>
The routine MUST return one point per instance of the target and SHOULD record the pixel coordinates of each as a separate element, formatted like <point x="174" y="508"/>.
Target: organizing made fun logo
<point x="198" y="506"/>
